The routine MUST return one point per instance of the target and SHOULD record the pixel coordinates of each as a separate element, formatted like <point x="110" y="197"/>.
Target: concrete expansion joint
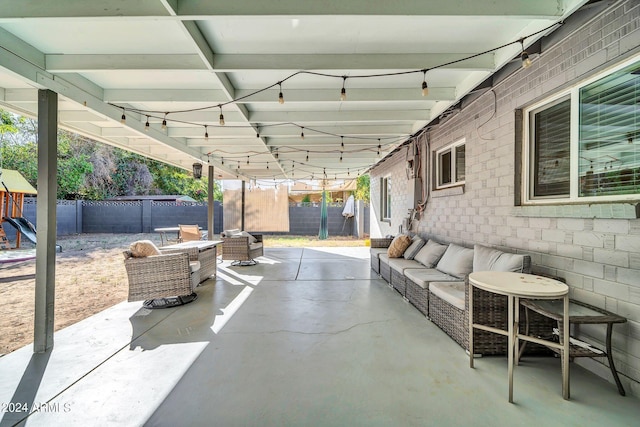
<point x="341" y="331"/>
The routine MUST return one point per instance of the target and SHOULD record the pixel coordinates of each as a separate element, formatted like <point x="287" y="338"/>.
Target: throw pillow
<point x="416" y="244"/>
<point x="456" y="261"/>
<point x="430" y="253"/>
<point x="398" y="246"/>
<point x="143" y="248"/>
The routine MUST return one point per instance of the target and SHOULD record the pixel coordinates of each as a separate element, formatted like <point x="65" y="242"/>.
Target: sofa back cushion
<point x="490" y="259"/>
<point x="416" y="244"/>
<point x="143" y="248"/>
<point x="430" y="254"/>
<point x="456" y="261"/>
<point x="398" y="246"/>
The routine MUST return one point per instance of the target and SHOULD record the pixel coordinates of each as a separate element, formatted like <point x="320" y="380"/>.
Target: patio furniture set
<point x="435" y="279"/>
<point x="167" y="276"/>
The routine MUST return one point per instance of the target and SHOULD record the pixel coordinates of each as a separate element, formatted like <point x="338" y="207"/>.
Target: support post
<point x="242" y="207"/>
<point x="46" y="220"/>
<point x="210" y="210"/>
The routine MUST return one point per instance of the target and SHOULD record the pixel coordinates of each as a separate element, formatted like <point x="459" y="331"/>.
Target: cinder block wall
<point x="597" y="253"/>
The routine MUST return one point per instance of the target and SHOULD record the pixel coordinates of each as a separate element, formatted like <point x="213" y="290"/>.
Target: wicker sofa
<point x="438" y="289"/>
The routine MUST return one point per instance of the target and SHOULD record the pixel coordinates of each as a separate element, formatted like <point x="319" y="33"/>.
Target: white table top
<point x="518" y="284"/>
<point x="201" y="244"/>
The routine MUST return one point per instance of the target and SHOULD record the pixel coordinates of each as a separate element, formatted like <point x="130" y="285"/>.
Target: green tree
<point x="362" y="188"/>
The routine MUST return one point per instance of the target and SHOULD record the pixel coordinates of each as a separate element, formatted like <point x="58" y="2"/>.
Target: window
<point x="584" y="145"/>
<point x="385" y="198"/>
<point x="450" y="165"/>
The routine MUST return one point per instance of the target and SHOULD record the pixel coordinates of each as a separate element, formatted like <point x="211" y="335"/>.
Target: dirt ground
<point x="90" y="277"/>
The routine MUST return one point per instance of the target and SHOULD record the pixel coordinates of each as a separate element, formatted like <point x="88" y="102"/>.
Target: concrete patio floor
<point x="309" y="337"/>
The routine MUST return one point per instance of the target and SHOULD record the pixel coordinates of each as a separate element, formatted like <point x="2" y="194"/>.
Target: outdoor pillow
<point x="456" y="261"/>
<point x="430" y="253"/>
<point x="489" y="259"/>
<point x="252" y="239"/>
<point x="416" y="244"/>
<point x="143" y="248"/>
<point x="398" y="246"/>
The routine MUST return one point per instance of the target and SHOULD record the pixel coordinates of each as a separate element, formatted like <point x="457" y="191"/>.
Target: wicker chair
<point x="240" y="250"/>
<point x="162" y="280"/>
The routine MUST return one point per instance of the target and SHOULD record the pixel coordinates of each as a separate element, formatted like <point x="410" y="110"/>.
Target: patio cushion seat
<point x="451" y="292"/>
<point x="423" y="276"/>
<point x="375" y="261"/>
<point x="401" y="264"/>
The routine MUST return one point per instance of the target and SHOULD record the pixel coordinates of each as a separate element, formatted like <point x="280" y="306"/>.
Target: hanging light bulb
<point x="343" y="92"/>
<point x="348" y="173"/>
<point x="280" y="96"/>
<point x="276" y="155"/>
<point x="524" y="56"/>
<point x="425" y="87"/>
<point x="342" y="142"/>
<point x="258" y="133"/>
<point x="302" y="133"/>
<point x="378" y="153"/>
<point x="221" y="117"/>
<point x="341" y="157"/>
<point x="164" y="122"/>
<point x="146" y="125"/>
<point x="267" y="165"/>
<point x="223" y="160"/>
<point x="206" y="133"/>
<point x="123" y="118"/>
<point x="247" y="159"/>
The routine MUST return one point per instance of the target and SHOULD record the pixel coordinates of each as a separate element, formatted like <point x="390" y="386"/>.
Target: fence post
<point x="79" y="216"/>
<point x="146" y="216"/>
<point x="359" y="222"/>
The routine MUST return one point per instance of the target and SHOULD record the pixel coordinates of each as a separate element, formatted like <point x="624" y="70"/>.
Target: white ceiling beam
<point x="80" y="116"/>
<point x="24" y="9"/>
<point x="353" y="94"/>
<point x="384" y="61"/>
<point x="84" y="63"/>
<point x="502" y="8"/>
<point x="323" y="142"/>
<point x="302" y="117"/>
<point x="208" y="96"/>
<point x="56" y="63"/>
<point x="345" y="130"/>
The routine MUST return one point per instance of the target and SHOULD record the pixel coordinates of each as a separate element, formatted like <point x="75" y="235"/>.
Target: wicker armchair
<point x="162" y="280"/>
<point x="240" y="250"/>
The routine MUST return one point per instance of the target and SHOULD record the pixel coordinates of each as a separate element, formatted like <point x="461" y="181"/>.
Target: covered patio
<point x="307" y="337"/>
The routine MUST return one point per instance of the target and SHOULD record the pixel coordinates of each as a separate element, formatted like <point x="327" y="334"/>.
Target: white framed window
<point x="450" y="165"/>
<point x="583" y="144"/>
<point x="385" y="198"/>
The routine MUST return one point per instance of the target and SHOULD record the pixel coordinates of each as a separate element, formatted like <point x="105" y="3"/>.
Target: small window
<point x="385" y="198"/>
<point x="450" y="165"/>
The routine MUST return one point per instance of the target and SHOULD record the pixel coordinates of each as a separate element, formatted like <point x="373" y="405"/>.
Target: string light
<point x="342" y="142"/>
<point x="206" y="133"/>
<point x="307" y="155"/>
<point x="526" y="61"/>
<point x="247" y="159"/>
<point x="146" y="125"/>
<point x="277" y="155"/>
<point x="343" y="92"/>
<point x="280" y="96"/>
<point x="164" y="122"/>
<point x="123" y="119"/>
<point x="258" y="133"/>
<point x="221" y="117"/>
<point x="302" y="133"/>
<point x="425" y="87"/>
<point x="222" y="160"/>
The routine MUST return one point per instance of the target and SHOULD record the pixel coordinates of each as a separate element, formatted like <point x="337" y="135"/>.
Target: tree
<point x="363" y="187"/>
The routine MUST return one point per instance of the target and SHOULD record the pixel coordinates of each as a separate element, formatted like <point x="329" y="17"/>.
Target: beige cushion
<point x="430" y="253"/>
<point x="416" y="244"/>
<point x="456" y="261"/>
<point x="401" y="264"/>
<point x="143" y="248"/>
<point x="423" y="276"/>
<point x="231" y="232"/>
<point x="398" y="246"/>
<point x="489" y="259"/>
<point x="252" y="239"/>
<point x="189" y="233"/>
<point x="451" y="292"/>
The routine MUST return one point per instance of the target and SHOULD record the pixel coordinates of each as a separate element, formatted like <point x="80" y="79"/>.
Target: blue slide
<point x="26" y="229"/>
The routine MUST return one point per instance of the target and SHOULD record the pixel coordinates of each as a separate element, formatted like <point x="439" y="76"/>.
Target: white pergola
<point x="83" y="64"/>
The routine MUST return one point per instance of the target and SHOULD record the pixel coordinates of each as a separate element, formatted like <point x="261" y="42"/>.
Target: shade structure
<point x="324" y="228"/>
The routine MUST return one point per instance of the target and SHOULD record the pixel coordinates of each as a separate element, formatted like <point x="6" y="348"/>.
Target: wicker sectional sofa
<point x="437" y="285"/>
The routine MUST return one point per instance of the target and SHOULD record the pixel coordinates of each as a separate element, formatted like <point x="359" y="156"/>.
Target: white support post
<point x="46" y="220"/>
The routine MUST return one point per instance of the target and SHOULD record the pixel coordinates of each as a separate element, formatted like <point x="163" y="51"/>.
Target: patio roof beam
<point x="213" y="96"/>
<point x="193" y="9"/>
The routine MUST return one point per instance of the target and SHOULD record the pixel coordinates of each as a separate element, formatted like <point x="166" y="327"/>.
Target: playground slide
<point x="26" y="229"/>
